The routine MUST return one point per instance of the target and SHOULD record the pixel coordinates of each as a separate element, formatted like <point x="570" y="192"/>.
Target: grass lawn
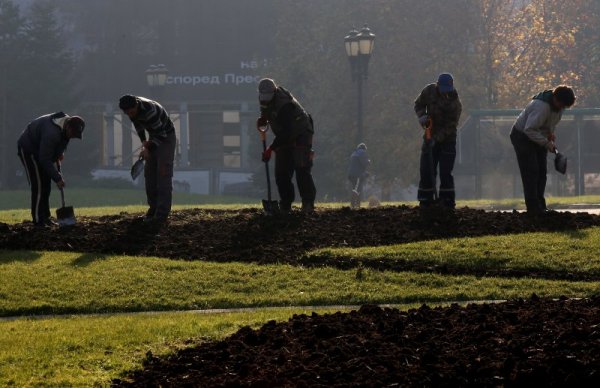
<point x="92" y="350"/>
<point x="102" y="197"/>
<point x="565" y="252"/>
<point x="101" y="202"/>
<point x="60" y="282"/>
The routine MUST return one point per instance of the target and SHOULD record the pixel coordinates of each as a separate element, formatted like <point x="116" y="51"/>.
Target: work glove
<point x="266" y="155"/>
<point x="261" y="122"/>
<point x="145" y="153"/>
<point x="423" y="120"/>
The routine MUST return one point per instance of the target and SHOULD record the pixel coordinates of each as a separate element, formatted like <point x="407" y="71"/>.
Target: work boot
<point x="50" y="222"/>
<point x="285" y="207"/>
<point x="161" y="219"/>
<point x="308" y="207"/>
<point x="149" y="216"/>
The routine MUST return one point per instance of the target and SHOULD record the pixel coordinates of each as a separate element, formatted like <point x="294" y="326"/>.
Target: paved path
<point x="594" y="210"/>
<point x="240" y="310"/>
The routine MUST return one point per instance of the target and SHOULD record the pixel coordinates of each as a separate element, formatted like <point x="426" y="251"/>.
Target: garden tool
<point x="65" y="216"/>
<point x="269" y="205"/>
<point x="137" y="168"/>
<point x="429" y="151"/>
<point x="560" y="162"/>
<point x="356" y="195"/>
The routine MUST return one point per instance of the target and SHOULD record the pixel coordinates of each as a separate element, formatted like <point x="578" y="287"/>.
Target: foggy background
<point x="80" y="56"/>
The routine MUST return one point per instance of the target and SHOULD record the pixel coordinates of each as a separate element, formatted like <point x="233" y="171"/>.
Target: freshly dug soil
<point x="250" y="236"/>
<point x="525" y="343"/>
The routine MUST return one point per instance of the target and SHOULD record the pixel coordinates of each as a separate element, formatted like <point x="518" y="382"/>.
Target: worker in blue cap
<point x="438" y="108"/>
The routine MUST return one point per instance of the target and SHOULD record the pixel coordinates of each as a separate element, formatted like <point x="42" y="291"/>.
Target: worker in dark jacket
<point x="293" y="129"/>
<point x="357" y="172"/>
<point x="41" y="147"/>
<point x="158" y="152"/>
<point x="439" y="102"/>
<point x="533" y="136"/>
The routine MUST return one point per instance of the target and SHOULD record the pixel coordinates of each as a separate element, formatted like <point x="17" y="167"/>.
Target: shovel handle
<point x="428" y="128"/>
<point x="62" y="196"/>
<point x="62" y="192"/>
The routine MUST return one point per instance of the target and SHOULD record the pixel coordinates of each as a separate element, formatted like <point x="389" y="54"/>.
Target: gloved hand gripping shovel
<point x="560" y="162"/>
<point x="269" y="205"/>
<point x="65" y="216"/>
<point x="429" y="150"/>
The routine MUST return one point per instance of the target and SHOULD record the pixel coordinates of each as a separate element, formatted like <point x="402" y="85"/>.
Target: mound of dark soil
<point x="249" y="236"/>
<point x="537" y="342"/>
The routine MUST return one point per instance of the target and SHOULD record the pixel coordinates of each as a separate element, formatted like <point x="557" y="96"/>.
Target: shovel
<point x="356" y="195"/>
<point x="65" y="216"/>
<point x="560" y="162"/>
<point x="269" y="205"/>
<point x="137" y="168"/>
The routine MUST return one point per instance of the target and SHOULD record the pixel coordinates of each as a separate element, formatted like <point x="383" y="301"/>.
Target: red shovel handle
<point x="428" y="128"/>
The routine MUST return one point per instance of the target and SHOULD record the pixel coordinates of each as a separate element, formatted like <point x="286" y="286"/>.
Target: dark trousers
<point x="532" y="165"/>
<point x="40" y="184"/>
<point x="360" y="180"/>
<point x="440" y="155"/>
<point x="297" y="159"/>
<point x="158" y="173"/>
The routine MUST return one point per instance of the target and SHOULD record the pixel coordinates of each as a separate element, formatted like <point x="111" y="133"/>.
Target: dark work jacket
<point x="359" y="162"/>
<point x="287" y="118"/>
<point x="443" y="111"/>
<point x="46" y="141"/>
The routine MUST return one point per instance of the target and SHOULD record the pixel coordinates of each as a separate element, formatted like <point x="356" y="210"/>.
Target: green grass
<point x="102" y="197"/>
<point x="134" y="204"/>
<point x="92" y="350"/>
<point x="19" y="215"/>
<point x="60" y="282"/>
<point x="100" y="201"/>
<point x="565" y="252"/>
<point x="519" y="203"/>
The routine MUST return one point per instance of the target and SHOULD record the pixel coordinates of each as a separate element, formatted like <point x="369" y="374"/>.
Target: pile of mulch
<point x="535" y="342"/>
<point x="249" y="236"/>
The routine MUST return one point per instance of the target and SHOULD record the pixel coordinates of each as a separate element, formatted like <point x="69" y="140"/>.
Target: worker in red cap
<point x="41" y="148"/>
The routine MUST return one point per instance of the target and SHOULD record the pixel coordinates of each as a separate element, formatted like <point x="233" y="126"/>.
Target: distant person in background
<point x="357" y="172"/>
<point x="158" y="151"/>
<point x="439" y="102"/>
<point x="293" y="130"/>
<point x="533" y="136"/>
<point x="41" y="148"/>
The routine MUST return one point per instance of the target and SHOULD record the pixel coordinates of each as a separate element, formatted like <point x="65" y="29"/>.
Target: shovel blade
<point x="65" y="216"/>
<point x="560" y="163"/>
<point x="270" y="207"/>
<point x="137" y="169"/>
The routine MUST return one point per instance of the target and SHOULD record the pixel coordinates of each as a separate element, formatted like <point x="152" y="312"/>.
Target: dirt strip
<point x="248" y="235"/>
<point x="534" y="342"/>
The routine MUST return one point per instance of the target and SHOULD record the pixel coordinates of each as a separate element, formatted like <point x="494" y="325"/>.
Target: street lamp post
<point x="359" y="46"/>
<point x="4" y="133"/>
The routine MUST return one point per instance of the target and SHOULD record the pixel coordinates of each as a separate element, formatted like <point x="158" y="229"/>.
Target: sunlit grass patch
<point x="575" y="252"/>
<point x="60" y="282"/>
